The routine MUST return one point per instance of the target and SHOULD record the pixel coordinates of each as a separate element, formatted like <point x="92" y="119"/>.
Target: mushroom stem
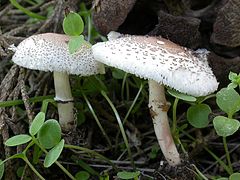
<point x="158" y="109"/>
<point x="63" y="96"/>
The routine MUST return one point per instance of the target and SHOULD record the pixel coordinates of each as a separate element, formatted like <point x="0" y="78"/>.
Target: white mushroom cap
<point x="49" y="52"/>
<point x="160" y="60"/>
<point x="113" y="35"/>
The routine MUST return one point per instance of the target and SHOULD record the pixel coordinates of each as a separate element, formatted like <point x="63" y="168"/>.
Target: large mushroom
<point x="162" y="62"/>
<point x="49" y="52"/>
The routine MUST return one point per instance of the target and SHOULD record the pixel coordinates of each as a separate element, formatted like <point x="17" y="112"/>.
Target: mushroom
<point x="49" y="52"/>
<point x="162" y="62"/>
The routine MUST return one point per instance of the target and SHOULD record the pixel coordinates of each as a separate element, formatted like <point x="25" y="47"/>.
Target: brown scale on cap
<point x="160" y="42"/>
<point x="161" y="60"/>
<point x="49" y="52"/>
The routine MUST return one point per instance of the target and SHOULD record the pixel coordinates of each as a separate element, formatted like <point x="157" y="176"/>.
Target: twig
<point x="5" y="10"/>
<point x="222" y="157"/>
<point x="25" y="97"/>
<point x="54" y="19"/>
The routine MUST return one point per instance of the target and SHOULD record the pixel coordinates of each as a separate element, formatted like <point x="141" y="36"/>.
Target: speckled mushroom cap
<point x="49" y="52"/>
<point x="160" y="60"/>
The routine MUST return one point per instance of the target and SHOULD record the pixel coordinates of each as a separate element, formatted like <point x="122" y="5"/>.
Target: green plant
<point x="177" y="95"/>
<point x="234" y="176"/>
<point x="73" y="26"/>
<point x="26" y="11"/>
<point x="228" y="101"/>
<point x="120" y="126"/>
<point x="82" y="175"/>
<point x="128" y="175"/>
<point x="1" y="169"/>
<point x="197" y="113"/>
<point x="154" y="151"/>
<point x="235" y="80"/>
<point x="92" y="33"/>
<point x="45" y="137"/>
<point x="85" y="166"/>
<point x="44" y="134"/>
<point x="31" y="100"/>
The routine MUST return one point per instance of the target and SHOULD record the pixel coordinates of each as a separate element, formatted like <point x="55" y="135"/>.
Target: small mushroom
<point x="49" y="52"/>
<point x="162" y="62"/>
